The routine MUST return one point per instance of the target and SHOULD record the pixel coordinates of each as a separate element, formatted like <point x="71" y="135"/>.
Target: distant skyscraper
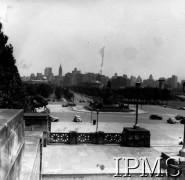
<point x="161" y="83"/>
<point x="48" y="72"/>
<point x="151" y="77"/>
<point x="133" y="80"/>
<point x="60" y="71"/>
<point x="75" y="74"/>
<point x="32" y="76"/>
<point x="115" y="75"/>
<point x="39" y="76"/>
<point x="174" y="81"/>
<point x="139" y="79"/>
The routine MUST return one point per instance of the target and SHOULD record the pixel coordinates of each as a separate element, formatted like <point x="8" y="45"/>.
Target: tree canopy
<point x="58" y="92"/>
<point x="12" y="94"/>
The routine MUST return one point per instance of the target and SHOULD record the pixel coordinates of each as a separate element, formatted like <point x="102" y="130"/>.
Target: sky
<point x="141" y="37"/>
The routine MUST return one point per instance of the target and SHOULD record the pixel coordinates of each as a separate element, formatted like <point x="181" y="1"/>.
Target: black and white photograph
<point x="92" y="89"/>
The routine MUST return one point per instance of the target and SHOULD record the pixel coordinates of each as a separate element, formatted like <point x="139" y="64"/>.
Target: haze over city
<point x="140" y="37"/>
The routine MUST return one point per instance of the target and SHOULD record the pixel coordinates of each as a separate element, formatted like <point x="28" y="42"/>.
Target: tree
<point x="12" y="93"/>
<point x="44" y="90"/>
<point x="68" y="94"/>
<point x="31" y="89"/>
<point x="58" y="92"/>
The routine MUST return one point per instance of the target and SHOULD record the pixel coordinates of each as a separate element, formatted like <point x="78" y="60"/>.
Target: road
<point x="66" y="114"/>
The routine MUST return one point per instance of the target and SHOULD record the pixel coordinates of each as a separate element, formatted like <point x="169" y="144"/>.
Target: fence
<point x="131" y="138"/>
<point x="94" y="138"/>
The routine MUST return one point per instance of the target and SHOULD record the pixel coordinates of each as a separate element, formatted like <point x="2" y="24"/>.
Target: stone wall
<point x="11" y="143"/>
<point x="38" y="122"/>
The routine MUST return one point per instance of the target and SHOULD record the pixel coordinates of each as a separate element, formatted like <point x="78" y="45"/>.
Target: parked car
<point x="53" y="119"/>
<point x="71" y="104"/>
<point x="179" y="117"/>
<point x="65" y="105"/>
<point x="172" y="121"/>
<point x="156" y="117"/>
<point x="182" y="121"/>
<point x="181" y="108"/>
<point x="77" y="118"/>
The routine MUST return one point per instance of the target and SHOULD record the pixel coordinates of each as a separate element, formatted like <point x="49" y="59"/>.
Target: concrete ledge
<point x="32" y="156"/>
<point x="11" y="142"/>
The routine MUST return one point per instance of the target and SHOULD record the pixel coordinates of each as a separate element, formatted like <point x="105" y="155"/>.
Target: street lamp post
<point x="182" y="151"/>
<point x="136" y="125"/>
<point x="91" y="114"/>
<point x="97" y="120"/>
<point x="136" y="136"/>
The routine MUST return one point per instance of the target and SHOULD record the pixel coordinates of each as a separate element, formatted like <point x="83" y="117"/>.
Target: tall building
<point x="168" y="83"/>
<point x="150" y="82"/>
<point x="32" y="76"/>
<point x="60" y="71"/>
<point x="151" y="77"/>
<point x="119" y="82"/>
<point x="75" y="74"/>
<point x="132" y="81"/>
<point x="68" y="79"/>
<point x="48" y="72"/>
<point x="139" y="79"/>
<point x="174" y="81"/>
<point x="115" y="75"/>
<point x="39" y="76"/>
<point x="161" y="83"/>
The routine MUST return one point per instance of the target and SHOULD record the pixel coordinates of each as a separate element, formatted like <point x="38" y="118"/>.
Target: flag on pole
<point x="102" y="54"/>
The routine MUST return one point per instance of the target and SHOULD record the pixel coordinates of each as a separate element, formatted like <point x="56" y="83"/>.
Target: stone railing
<point x="130" y="138"/>
<point x="94" y="138"/>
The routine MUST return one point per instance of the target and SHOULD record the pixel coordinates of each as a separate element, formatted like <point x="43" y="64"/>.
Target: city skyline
<point x="138" y="37"/>
<point x="57" y="73"/>
<point x="99" y="80"/>
<point x="150" y="76"/>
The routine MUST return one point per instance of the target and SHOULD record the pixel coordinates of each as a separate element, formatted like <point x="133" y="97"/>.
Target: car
<point x="156" y="117"/>
<point x="71" y="104"/>
<point x="65" y="105"/>
<point x="172" y="121"/>
<point x="77" y="118"/>
<point x="53" y="119"/>
<point x="179" y="117"/>
<point x="182" y="121"/>
<point x="181" y="108"/>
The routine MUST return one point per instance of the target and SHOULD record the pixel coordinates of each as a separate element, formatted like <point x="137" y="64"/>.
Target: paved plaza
<point x="91" y="159"/>
<point x="85" y="159"/>
<point x="99" y="159"/>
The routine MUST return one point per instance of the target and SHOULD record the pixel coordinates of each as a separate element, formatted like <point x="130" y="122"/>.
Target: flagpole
<point x="102" y="55"/>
